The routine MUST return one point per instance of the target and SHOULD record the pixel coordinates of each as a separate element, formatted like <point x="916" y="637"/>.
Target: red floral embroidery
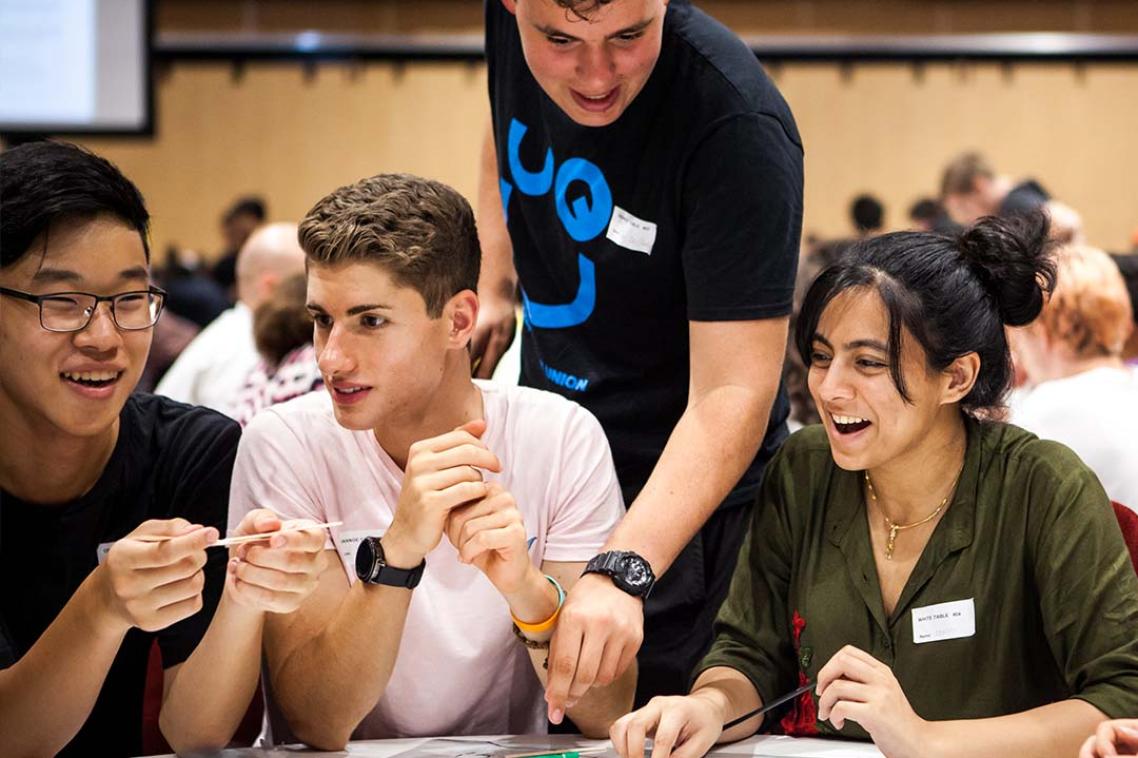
<point x="802" y="719"/>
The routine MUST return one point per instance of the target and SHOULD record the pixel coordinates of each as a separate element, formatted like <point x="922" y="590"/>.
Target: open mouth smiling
<point x="92" y="378"/>
<point x="848" y="424"/>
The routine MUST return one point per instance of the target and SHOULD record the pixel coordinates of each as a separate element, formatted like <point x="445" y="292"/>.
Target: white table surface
<point x="479" y="747"/>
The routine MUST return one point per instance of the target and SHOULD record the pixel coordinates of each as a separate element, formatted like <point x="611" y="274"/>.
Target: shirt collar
<point x="956" y="530"/>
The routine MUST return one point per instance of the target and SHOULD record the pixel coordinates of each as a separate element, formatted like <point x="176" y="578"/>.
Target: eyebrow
<point x="855" y="344"/>
<point x="635" y="28"/>
<point x="52" y="275"/>
<point x="354" y="310"/>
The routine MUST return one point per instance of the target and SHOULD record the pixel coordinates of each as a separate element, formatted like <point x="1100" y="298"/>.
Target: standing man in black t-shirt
<point x="649" y="176"/>
<point x="109" y="499"/>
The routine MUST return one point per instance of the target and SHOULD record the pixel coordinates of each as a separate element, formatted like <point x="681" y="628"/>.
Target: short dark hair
<point x="46" y="183"/>
<point x="960" y="174"/>
<point x="247" y="206"/>
<point x="953" y="295"/>
<point x="420" y="231"/>
<point x="926" y="209"/>
<point x="867" y="213"/>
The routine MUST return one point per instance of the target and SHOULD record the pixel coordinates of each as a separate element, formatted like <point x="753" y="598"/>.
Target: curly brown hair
<point x="420" y="231"/>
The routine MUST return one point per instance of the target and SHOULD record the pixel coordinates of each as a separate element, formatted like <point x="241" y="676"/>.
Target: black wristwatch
<point x="371" y="567"/>
<point x="628" y="571"/>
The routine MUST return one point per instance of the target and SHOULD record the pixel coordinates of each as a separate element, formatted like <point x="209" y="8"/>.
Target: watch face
<point x="635" y="572"/>
<point x="365" y="559"/>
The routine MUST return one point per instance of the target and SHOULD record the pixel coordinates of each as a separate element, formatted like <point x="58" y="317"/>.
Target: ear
<point x="511" y="6"/>
<point x="959" y="377"/>
<point x="461" y="314"/>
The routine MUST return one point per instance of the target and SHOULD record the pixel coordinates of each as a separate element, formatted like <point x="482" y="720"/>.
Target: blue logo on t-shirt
<point x="583" y="220"/>
<point x="564" y="379"/>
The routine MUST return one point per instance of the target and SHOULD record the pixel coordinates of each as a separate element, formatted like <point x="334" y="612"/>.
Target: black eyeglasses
<point x="72" y="311"/>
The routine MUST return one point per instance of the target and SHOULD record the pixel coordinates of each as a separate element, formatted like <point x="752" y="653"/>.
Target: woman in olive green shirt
<point x="951" y="586"/>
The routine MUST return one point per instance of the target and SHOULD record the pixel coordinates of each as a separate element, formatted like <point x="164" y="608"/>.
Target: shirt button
<point x="888" y="643"/>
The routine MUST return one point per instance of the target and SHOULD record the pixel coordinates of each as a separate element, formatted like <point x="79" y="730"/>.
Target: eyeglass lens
<point x="131" y="310"/>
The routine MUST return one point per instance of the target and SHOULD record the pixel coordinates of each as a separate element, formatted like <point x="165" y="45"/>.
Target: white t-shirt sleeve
<point x="588" y="503"/>
<point x="273" y="470"/>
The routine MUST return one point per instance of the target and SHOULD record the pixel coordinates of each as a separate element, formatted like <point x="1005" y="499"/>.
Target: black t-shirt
<point x="170" y="460"/>
<point x="688" y="207"/>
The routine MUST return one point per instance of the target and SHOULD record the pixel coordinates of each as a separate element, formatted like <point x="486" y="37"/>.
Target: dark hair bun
<point x="1012" y="258"/>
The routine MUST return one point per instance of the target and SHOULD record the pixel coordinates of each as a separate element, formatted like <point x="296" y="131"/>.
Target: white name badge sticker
<point x="630" y="232"/>
<point x="347" y="543"/>
<point x="102" y="551"/>
<point x="944" y="621"/>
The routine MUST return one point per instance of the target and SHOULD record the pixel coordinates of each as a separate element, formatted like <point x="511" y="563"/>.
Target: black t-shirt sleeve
<point x="741" y="202"/>
<point x="198" y="464"/>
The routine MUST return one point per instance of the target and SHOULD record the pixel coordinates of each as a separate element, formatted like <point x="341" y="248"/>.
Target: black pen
<point x="760" y="711"/>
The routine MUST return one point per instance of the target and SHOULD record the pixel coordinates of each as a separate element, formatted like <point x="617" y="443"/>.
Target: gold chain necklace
<point x="894" y="527"/>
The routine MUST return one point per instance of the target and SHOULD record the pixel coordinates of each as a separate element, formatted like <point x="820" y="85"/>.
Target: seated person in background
<point x="1128" y="266"/>
<point x="190" y="292"/>
<point x="924" y="215"/>
<point x="493" y="497"/>
<point x="172" y="335"/>
<point x="92" y="475"/>
<point x="282" y="330"/>
<point x="237" y="224"/>
<point x="952" y="586"/>
<point x="971" y="189"/>
<point x="867" y="214"/>
<point x="212" y="370"/>
<point x="1081" y="393"/>
<point x="1113" y="739"/>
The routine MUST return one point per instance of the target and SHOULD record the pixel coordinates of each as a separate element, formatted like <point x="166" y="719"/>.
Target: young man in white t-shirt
<point x="467" y="508"/>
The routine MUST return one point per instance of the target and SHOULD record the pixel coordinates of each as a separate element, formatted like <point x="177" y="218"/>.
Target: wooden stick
<point x="229" y="541"/>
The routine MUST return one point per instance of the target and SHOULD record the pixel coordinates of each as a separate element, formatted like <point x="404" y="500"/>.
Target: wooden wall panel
<point x="744" y="16"/>
<point x="883" y="129"/>
<point x="292" y="137"/>
<point x="878" y="127"/>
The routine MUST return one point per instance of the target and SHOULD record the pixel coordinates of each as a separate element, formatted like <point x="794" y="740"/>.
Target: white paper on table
<point x="778" y="746"/>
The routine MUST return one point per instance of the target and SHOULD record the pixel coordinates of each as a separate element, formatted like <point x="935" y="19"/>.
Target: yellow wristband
<point x="543" y="626"/>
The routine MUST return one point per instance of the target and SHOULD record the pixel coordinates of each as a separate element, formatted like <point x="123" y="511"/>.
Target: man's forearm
<point x="711" y="446"/>
<point x="327" y="685"/>
<point x="497" y="274"/>
<point x="201" y="710"/>
<point x="48" y="694"/>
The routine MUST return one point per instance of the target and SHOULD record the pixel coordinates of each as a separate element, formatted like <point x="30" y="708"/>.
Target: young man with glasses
<point x="110" y="499"/>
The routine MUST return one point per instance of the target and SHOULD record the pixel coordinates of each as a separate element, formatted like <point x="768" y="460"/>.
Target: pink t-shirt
<point x="460" y="669"/>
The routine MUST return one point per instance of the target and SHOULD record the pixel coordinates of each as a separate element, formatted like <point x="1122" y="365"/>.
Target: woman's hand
<point x="855" y="686"/>
<point x="681" y="727"/>
<point x="1112" y="738"/>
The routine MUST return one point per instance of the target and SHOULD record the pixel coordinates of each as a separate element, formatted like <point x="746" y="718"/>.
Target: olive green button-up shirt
<point x="1030" y="538"/>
